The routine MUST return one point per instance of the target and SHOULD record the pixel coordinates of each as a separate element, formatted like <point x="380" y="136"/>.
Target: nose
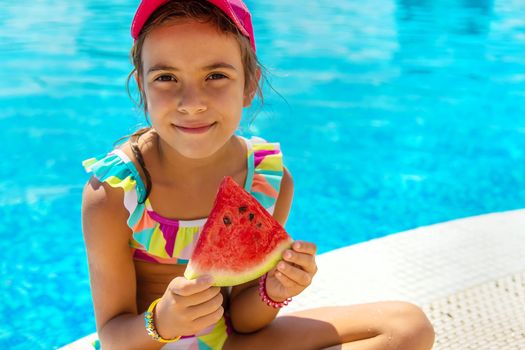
<point x="191" y="100"/>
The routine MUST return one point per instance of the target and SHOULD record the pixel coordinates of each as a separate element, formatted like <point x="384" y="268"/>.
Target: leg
<point x="376" y="326"/>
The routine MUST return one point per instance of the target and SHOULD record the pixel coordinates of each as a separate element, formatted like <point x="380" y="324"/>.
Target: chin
<point x="199" y="151"/>
<point x="196" y="154"/>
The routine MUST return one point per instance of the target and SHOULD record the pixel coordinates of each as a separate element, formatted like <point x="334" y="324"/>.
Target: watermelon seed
<point x="259" y="224"/>
<point x="251" y="216"/>
<point x="227" y="220"/>
<point x="242" y="209"/>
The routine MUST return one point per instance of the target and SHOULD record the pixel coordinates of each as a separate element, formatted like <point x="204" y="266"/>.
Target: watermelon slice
<point x="240" y="241"/>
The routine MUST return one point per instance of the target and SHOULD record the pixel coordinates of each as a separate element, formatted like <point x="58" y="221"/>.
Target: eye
<point x="216" y="76"/>
<point x="165" y="77"/>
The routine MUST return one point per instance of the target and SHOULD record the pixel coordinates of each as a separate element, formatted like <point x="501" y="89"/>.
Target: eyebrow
<point x="213" y="66"/>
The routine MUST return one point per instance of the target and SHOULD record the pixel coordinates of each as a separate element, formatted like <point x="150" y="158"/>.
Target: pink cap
<point x="236" y="10"/>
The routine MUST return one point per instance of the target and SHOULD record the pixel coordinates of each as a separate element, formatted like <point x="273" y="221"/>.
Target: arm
<point x="187" y="307"/>
<point x="111" y="269"/>
<point x="248" y="312"/>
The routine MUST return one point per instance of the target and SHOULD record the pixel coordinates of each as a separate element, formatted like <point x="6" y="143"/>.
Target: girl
<point x="196" y="69"/>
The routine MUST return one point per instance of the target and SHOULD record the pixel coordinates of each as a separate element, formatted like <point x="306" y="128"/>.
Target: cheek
<point x="157" y="98"/>
<point x="231" y="90"/>
<point x="232" y="97"/>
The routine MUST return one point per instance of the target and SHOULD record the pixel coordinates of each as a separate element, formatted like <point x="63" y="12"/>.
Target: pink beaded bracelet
<point x="266" y="298"/>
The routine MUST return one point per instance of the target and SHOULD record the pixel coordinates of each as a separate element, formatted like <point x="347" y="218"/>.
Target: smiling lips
<point x="195" y="129"/>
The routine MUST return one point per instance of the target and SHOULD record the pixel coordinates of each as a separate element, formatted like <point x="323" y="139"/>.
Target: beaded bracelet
<point x="150" y="325"/>
<point x="266" y="298"/>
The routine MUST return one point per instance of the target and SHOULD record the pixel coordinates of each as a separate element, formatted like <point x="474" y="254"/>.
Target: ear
<point x="252" y="90"/>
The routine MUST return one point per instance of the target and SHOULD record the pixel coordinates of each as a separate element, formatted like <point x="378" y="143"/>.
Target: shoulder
<point x="101" y="205"/>
<point x="122" y="167"/>
<point x="103" y="202"/>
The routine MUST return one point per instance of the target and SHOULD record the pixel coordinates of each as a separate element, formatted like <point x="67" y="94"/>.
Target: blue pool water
<point x="393" y="115"/>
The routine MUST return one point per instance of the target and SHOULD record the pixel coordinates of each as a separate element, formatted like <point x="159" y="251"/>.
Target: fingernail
<point x="288" y="255"/>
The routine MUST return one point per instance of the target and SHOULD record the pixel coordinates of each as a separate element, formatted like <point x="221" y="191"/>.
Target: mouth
<point x="195" y="129"/>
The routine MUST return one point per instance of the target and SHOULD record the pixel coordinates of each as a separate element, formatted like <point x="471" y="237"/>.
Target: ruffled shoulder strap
<point x="265" y="164"/>
<point x="117" y="170"/>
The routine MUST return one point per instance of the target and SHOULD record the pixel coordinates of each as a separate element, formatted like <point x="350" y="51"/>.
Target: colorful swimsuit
<point x="170" y="241"/>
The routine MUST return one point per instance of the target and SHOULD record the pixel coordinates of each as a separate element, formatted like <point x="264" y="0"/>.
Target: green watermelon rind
<point x="222" y="278"/>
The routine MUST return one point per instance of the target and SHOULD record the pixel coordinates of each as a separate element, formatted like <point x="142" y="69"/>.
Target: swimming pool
<point x="405" y="113"/>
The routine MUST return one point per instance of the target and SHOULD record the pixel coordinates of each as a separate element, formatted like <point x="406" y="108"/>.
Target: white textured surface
<point x="486" y="316"/>
<point x="420" y="265"/>
<point x="468" y="275"/>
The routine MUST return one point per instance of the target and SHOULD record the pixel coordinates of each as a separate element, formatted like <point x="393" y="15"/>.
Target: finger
<point x="184" y="287"/>
<point x="304" y="247"/>
<point x="199" y="310"/>
<point x="302" y="260"/>
<point x="207" y="320"/>
<point x="285" y="281"/>
<point x="297" y="275"/>
<point x="197" y="298"/>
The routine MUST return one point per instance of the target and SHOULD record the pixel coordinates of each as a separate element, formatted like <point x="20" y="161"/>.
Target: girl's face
<point x="193" y="80"/>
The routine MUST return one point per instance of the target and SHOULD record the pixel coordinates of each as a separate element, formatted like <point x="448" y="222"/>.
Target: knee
<point x="409" y="327"/>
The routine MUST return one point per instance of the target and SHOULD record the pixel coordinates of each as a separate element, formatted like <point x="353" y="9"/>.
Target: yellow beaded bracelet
<point x="150" y="325"/>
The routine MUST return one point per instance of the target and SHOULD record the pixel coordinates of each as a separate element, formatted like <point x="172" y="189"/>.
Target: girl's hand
<point x="187" y="307"/>
<point x="294" y="273"/>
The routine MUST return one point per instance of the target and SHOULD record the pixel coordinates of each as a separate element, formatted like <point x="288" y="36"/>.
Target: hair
<point x="204" y="12"/>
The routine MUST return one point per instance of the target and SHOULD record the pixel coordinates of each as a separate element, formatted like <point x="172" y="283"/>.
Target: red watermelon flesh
<point x="240" y="240"/>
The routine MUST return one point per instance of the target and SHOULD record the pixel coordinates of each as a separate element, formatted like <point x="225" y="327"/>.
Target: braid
<point x="140" y="159"/>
